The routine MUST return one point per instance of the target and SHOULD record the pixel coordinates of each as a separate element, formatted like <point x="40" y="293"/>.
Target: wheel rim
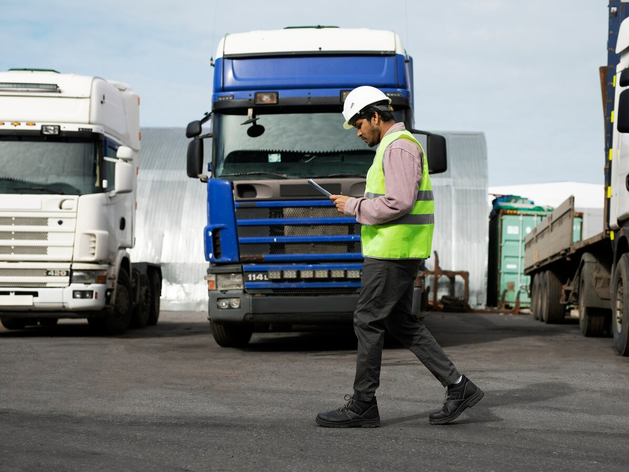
<point x="620" y="296"/>
<point x="122" y="302"/>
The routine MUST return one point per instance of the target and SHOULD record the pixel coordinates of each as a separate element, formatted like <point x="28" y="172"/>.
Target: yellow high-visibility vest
<point x="407" y="237"/>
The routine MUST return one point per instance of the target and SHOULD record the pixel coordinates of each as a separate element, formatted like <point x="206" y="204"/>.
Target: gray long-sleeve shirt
<point x="402" y="163"/>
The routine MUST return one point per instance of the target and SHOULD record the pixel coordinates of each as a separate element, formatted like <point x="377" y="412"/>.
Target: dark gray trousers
<point x="386" y="299"/>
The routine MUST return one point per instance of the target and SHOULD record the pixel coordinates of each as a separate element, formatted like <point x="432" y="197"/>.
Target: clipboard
<point x="319" y="188"/>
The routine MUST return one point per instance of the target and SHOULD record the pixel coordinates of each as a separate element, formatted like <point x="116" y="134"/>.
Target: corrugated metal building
<point x="461" y="212"/>
<point x="171" y="215"/>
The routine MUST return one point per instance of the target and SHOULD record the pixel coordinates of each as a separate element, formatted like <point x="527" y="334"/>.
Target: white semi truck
<point x="69" y="149"/>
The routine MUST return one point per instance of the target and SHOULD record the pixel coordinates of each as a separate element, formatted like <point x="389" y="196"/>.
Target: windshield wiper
<point x="236" y="174"/>
<point x="42" y="189"/>
<point x="340" y="174"/>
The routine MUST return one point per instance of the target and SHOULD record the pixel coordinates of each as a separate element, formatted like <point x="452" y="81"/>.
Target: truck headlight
<point x="229" y="282"/>
<point x="88" y="277"/>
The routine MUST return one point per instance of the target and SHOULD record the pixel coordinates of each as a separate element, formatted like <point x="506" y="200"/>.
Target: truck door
<point x="619" y="202"/>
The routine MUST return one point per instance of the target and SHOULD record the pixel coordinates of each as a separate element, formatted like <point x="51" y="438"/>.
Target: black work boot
<point x="354" y="414"/>
<point x="458" y="397"/>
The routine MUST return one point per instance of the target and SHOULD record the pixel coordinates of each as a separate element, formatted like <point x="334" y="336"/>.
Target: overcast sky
<point x="523" y="72"/>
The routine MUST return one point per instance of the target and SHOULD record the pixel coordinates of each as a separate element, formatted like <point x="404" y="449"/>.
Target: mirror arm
<point x="206" y="117"/>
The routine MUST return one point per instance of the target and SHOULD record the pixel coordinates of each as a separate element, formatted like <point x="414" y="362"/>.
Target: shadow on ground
<point x="450" y="329"/>
<point x="534" y="393"/>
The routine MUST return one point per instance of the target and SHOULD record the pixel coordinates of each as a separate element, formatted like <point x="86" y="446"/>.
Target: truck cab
<point x="278" y="250"/>
<point x="69" y="149"/>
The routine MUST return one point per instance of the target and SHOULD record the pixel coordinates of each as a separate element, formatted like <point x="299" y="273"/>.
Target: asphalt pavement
<point x="168" y="398"/>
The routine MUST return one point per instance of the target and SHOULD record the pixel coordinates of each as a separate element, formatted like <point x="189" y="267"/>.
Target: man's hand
<point x="339" y="201"/>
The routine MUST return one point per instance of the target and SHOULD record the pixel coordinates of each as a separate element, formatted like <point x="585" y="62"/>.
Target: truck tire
<point x="118" y="319"/>
<point x="155" y="294"/>
<point x="591" y="320"/>
<point x="535" y="297"/>
<point x="543" y="296"/>
<point x="13" y="323"/>
<point x="142" y="309"/>
<point x="620" y="306"/>
<point x="231" y="335"/>
<point x="556" y="311"/>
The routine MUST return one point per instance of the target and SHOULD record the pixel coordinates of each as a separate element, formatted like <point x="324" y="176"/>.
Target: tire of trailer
<point x="141" y="311"/>
<point x="231" y="335"/>
<point x="543" y="296"/>
<point x="620" y="306"/>
<point x="155" y="294"/>
<point x="535" y="297"/>
<point x="556" y="311"/>
<point x="591" y="320"/>
<point x="13" y="323"/>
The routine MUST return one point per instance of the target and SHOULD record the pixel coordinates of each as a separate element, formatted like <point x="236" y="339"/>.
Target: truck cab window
<point x="36" y="165"/>
<point x="110" y="167"/>
<point x="293" y="145"/>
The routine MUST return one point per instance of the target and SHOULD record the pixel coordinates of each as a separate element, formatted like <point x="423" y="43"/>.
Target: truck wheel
<point x="620" y="306"/>
<point x="48" y="322"/>
<point x="535" y="297"/>
<point x="13" y="323"/>
<point x="155" y="294"/>
<point x="117" y="321"/>
<point x="142" y="310"/>
<point x="556" y="311"/>
<point x="231" y="335"/>
<point x="543" y="296"/>
<point x="591" y="320"/>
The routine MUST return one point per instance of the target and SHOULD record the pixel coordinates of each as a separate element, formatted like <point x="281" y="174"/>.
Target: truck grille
<point x="24" y="284"/>
<point x="293" y="247"/>
<point x="23" y="235"/>
<point x="23" y="221"/>
<point x="25" y="250"/>
<point x="37" y="238"/>
<point x="295" y="232"/>
<point x="314" y="291"/>
<point x="23" y="272"/>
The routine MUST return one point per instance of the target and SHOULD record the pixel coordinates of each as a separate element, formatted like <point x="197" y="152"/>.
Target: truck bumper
<point x="282" y="309"/>
<point x="58" y="302"/>
<point x="313" y="309"/>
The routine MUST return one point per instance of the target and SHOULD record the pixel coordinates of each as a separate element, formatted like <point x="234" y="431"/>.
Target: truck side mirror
<point x="124" y="177"/>
<point x="437" y="154"/>
<point x="193" y="129"/>
<point x="622" y="114"/>
<point x="436" y="150"/>
<point x="125" y="153"/>
<point x="195" y="158"/>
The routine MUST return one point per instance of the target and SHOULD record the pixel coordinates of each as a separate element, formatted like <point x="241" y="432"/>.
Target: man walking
<point x="397" y="218"/>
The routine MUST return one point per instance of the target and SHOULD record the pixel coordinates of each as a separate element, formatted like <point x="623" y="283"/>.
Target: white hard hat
<point x="358" y="99"/>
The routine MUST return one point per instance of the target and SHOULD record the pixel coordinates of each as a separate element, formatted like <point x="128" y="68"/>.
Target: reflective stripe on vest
<point x="407" y="237"/>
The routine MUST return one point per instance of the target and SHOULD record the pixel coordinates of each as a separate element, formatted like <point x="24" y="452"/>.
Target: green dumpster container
<point x="511" y="219"/>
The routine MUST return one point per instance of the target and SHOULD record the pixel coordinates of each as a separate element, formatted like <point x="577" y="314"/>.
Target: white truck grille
<point x="36" y="238"/>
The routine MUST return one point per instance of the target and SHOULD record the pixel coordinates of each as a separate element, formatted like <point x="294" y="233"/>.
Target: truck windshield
<point x="64" y="166"/>
<point x="292" y="145"/>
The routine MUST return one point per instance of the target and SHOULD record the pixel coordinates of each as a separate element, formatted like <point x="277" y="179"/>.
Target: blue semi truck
<point x="278" y="250"/>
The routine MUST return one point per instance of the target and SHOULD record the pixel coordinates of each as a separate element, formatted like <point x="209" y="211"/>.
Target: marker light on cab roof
<point x="266" y="98"/>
